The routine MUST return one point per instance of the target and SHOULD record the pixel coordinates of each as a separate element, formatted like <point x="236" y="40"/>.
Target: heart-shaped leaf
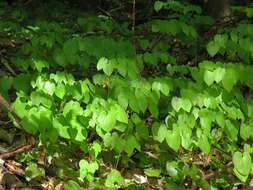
<point x="209" y="77"/>
<point x="242" y="165"/>
<point x="204" y="144"/>
<point x="176" y="103"/>
<point x="158" y="5"/>
<point x="219" y="74"/>
<point x="186" y="104"/>
<point x="212" y="48"/>
<point x="173" y="139"/>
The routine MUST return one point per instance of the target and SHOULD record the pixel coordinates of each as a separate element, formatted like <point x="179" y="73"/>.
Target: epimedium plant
<point x="119" y="123"/>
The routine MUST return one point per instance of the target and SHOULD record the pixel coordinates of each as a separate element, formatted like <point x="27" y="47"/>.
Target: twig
<point x="7" y="65"/>
<point x="133" y="16"/>
<point x="216" y="173"/>
<point x="156" y="41"/>
<point x="15" y="152"/>
<point x="116" y="9"/>
<point x="105" y="12"/>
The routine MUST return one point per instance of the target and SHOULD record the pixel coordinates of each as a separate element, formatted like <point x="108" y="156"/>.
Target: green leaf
<point x="5" y="85"/>
<point x="72" y="185"/>
<point x="186" y="104"/>
<point x="121" y="114"/>
<point x="72" y="109"/>
<point x="60" y="90"/>
<point x="171" y="169"/>
<point x="161" y="135"/>
<point x="246" y="131"/>
<point x="158" y="6"/>
<point x="131" y="144"/>
<point x="161" y="86"/>
<point x="173" y="139"/>
<point x="231" y="130"/>
<point x="39" y="98"/>
<point x="107" y="122"/>
<point x="242" y="165"/>
<point x="22" y="82"/>
<point x="40" y="64"/>
<point x="212" y="48"/>
<point x="105" y="64"/>
<point x="133" y="103"/>
<point x="87" y="169"/>
<point x="141" y="100"/>
<point x="30" y="124"/>
<point x="209" y="77"/>
<point x="221" y="40"/>
<point x="96" y="148"/>
<point x="20" y="107"/>
<point x="151" y="172"/>
<point x="49" y="88"/>
<point x="102" y="62"/>
<point x="123" y="100"/>
<point x="153" y="104"/>
<point x="219" y="74"/>
<point x="62" y="130"/>
<point x="34" y="171"/>
<point x="142" y="131"/>
<point x="77" y="130"/>
<point x="186" y="137"/>
<point x="114" y="141"/>
<point x="70" y="49"/>
<point x="220" y="119"/>
<point x="229" y="79"/>
<point x="113" y="179"/>
<point x="176" y="103"/>
<point x="206" y="123"/>
<point x="204" y="144"/>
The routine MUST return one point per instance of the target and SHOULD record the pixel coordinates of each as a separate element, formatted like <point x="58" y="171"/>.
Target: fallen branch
<point x="13" y="153"/>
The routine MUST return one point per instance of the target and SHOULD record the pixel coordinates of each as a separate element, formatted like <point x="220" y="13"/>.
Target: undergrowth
<point x="158" y="102"/>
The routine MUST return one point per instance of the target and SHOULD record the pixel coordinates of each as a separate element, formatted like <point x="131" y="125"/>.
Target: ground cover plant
<point x="126" y="95"/>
